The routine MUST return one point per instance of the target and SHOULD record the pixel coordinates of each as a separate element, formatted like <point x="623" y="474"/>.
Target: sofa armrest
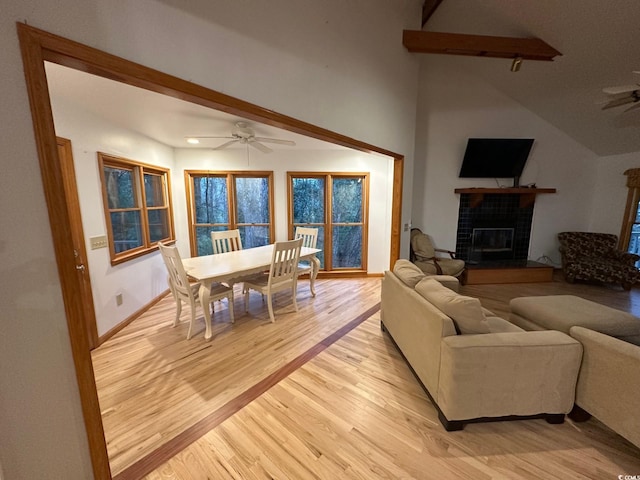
<point x="609" y="384"/>
<point x="511" y="373"/>
<point x="624" y="257"/>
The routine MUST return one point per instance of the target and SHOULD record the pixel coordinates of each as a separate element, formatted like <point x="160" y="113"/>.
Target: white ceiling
<point x="165" y="119"/>
<point x="600" y="43"/>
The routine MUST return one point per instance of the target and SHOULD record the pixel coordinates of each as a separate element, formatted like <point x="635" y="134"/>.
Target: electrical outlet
<point x="98" y="242"/>
<point x="119" y="299"/>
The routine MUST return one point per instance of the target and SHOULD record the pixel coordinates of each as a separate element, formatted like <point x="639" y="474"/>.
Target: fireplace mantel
<point x="527" y="195"/>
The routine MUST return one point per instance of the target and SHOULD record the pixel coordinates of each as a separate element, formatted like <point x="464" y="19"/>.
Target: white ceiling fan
<point x="623" y="95"/>
<point x="244" y="134"/>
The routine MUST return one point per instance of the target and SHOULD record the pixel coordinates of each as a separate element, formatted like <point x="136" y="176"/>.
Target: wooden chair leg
<point x="270" y="306"/>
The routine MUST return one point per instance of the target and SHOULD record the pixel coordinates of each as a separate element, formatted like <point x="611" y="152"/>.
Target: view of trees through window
<point x="137" y="206"/>
<point x="336" y="204"/>
<point x="226" y="201"/>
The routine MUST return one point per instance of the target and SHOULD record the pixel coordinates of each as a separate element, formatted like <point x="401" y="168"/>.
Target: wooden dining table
<point x="232" y="266"/>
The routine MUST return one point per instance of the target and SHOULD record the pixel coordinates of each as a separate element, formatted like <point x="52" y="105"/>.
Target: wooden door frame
<point x="73" y="204"/>
<point x="38" y="46"/>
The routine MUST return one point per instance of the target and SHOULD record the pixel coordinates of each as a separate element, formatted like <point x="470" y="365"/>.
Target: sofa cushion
<point x="407" y="272"/>
<point x="466" y="312"/>
<point x="500" y="325"/>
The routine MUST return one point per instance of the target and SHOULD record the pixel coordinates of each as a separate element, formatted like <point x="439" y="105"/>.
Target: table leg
<point x="204" y="296"/>
<point x="315" y="268"/>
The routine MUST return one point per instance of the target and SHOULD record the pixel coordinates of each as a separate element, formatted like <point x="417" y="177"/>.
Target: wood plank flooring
<point x="350" y="409"/>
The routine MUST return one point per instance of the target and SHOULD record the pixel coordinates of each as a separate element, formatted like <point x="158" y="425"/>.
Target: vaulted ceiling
<point x="599" y="44"/>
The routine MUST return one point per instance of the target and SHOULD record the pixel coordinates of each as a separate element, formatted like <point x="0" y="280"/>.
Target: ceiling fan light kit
<point x="243" y="134"/>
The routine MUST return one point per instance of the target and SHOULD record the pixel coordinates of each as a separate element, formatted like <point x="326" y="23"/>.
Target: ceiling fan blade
<point x="275" y="140"/>
<point x="633" y="107"/>
<point x="204" y="136"/>
<point x="620" y="89"/>
<point x="618" y="102"/>
<point x="225" y="144"/>
<point x="259" y="146"/>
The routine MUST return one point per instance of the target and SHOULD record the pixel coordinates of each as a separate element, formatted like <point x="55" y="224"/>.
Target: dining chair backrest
<point x="284" y="262"/>
<point x="309" y="236"/>
<point x="177" y="274"/>
<point x="226" y="241"/>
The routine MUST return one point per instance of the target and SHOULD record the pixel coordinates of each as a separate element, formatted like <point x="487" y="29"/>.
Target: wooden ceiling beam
<point x="428" y="7"/>
<point x="418" y="41"/>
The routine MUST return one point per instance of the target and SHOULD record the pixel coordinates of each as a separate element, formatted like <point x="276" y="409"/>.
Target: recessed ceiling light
<point x="193" y="141"/>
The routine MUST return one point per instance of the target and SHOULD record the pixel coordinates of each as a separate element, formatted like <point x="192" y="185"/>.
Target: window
<point x="630" y="234"/>
<point x="336" y="204"/>
<point x="137" y="206"/>
<point x="226" y="201"/>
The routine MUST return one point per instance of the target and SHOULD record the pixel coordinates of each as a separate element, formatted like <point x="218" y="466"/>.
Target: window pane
<point x="254" y="236"/>
<point x="154" y="190"/>
<point x="252" y="196"/>
<point x="347" y="247"/>
<point x="120" y="191"/>
<point x="158" y="225"/>
<point x="127" y="232"/>
<point x="203" y="240"/>
<point x="308" y="200"/>
<point x="210" y="199"/>
<point x="347" y="200"/>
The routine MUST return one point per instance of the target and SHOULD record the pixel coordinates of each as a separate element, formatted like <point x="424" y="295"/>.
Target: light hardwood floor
<point x="282" y="400"/>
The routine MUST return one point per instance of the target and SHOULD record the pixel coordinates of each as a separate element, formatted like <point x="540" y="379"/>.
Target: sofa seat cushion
<point x="466" y="312"/>
<point x="500" y="325"/>
<point x="561" y="312"/>
<point x="407" y="272"/>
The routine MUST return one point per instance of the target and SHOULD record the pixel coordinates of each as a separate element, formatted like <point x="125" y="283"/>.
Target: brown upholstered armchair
<point x="431" y="260"/>
<point x="594" y="256"/>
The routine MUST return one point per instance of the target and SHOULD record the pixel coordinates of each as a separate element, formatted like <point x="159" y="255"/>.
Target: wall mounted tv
<point x="496" y="158"/>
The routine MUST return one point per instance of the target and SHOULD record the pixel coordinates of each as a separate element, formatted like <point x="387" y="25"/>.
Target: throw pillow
<point x="466" y="312"/>
<point x="408" y="272"/>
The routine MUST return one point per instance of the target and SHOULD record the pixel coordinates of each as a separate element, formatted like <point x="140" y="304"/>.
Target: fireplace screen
<point x="492" y="240"/>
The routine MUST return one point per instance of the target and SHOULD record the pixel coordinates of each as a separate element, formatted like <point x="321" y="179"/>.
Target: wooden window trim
<point x="328" y="222"/>
<point x="230" y="175"/>
<point x="633" y="197"/>
<point x="138" y="169"/>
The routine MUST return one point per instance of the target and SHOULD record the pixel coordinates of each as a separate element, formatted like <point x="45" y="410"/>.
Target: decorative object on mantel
<point x="527" y="194"/>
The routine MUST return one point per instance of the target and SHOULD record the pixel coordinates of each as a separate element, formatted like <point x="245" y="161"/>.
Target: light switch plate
<point x="98" y="242"/>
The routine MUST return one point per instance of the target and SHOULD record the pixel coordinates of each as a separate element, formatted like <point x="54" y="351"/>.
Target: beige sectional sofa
<point x="609" y="383"/>
<point x="609" y="379"/>
<point x="473" y="365"/>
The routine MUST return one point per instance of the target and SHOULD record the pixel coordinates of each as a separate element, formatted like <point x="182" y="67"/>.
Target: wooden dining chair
<point x="183" y="290"/>
<point x="226" y="241"/>
<point x="282" y="275"/>
<point x="309" y="239"/>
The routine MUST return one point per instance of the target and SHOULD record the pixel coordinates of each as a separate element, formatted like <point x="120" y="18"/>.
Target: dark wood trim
<point x="131" y="318"/>
<point x="152" y="461"/>
<point x="418" y="41"/>
<point x="396" y="211"/>
<point x="527" y="195"/>
<point x="37" y="46"/>
<point x="428" y="9"/>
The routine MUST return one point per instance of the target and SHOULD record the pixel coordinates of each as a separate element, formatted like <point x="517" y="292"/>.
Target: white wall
<point x="454" y="105"/>
<point x="340" y="65"/>
<point x="280" y="162"/>
<point x="610" y="194"/>
<point x="140" y="280"/>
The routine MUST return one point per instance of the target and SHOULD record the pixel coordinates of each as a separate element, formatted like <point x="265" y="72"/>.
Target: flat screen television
<point x="496" y="158"/>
